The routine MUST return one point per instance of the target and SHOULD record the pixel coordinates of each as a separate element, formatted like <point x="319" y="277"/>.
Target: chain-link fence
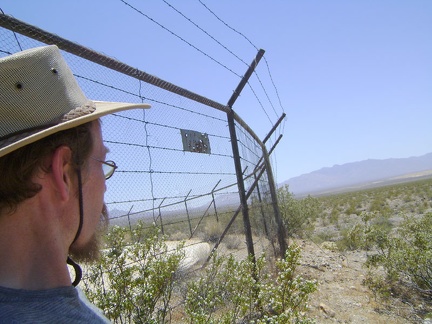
<point x="189" y="165"/>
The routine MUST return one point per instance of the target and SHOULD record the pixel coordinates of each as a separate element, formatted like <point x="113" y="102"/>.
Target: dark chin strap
<point x="77" y="268"/>
<point x="78" y="271"/>
<point x="81" y="208"/>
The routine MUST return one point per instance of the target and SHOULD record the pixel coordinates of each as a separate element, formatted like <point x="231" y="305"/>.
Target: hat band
<point x="86" y="109"/>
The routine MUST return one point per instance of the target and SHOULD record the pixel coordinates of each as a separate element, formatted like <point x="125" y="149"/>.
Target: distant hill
<point x="360" y="174"/>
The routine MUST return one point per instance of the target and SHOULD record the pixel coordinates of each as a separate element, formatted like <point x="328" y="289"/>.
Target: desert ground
<point x="341" y="296"/>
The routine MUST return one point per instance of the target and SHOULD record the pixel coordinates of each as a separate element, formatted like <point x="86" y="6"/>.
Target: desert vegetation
<point x="140" y="280"/>
<point x="392" y="225"/>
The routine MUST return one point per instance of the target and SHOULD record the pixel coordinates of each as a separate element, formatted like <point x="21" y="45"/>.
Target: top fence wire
<point x="176" y="160"/>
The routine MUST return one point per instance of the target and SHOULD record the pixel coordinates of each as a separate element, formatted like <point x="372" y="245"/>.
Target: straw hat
<point x="39" y="96"/>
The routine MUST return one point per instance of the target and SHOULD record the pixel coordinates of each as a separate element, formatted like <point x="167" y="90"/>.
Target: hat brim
<point x="103" y="108"/>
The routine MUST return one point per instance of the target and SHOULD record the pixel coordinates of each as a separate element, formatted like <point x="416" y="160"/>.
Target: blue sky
<point x="354" y="77"/>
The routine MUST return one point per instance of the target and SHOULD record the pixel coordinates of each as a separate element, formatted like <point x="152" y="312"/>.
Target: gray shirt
<point x="59" y="305"/>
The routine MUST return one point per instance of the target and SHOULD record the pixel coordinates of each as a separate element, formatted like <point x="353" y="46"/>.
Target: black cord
<point x="81" y="208"/>
<point x="77" y="268"/>
<point x="78" y="271"/>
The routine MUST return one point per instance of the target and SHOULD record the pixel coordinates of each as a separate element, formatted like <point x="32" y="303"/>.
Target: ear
<point x="63" y="171"/>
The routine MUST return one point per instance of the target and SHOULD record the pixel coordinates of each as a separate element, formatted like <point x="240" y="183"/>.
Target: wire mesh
<point x="190" y="195"/>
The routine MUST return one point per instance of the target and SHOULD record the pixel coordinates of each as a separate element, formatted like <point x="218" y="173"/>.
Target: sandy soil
<point x="341" y="296"/>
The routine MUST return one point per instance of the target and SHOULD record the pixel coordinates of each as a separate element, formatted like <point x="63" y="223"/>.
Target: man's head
<point x="50" y="135"/>
<point x="22" y="169"/>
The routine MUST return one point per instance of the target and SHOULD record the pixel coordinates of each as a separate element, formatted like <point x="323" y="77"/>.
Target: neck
<point x="33" y="251"/>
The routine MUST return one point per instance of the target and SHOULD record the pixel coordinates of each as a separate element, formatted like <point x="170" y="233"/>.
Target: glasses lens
<point x="108" y="169"/>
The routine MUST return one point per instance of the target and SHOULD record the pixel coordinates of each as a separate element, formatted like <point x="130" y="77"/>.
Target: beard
<point x="90" y="252"/>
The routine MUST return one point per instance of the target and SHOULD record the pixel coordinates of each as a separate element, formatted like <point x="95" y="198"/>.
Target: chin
<point x="90" y="251"/>
<point x="87" y="253"/>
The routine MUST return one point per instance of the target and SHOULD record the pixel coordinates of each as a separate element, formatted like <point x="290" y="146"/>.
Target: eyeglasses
<point x="108" y="167"/>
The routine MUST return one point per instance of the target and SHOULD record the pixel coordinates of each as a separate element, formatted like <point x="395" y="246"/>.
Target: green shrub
<point x="238" y="292"/>
<point x="407" y="256"/>
<point x="135" y="276"/>
<point x="352" y="209"/>
<point x="334" y="216"/>
<point x="321" y="237"/>
<point x="298" y="215"/>
<point x="365" y="234"/>
<point x="135" y="281"/>
<point x="212" y="230"/>
<point x="233" y="242"/>
<point x="352" y="238"/>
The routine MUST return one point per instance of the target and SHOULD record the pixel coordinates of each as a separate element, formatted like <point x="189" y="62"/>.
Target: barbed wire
<point x="260" y="103"/>
<point x="205" y="32"/>
<point x="190" y="197"/>
<point x="162" y="125"/>
<point x="181" y="38"/>
<point x="161" y="148"/>
<point x="250" y="42"/>
<point x="151" y="171"/>
<point x="143" y="98"/>
<point x="211" y="57"/>
<point x="265" y="91"/>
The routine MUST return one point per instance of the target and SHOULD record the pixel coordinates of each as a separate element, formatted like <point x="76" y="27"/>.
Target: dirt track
<point x="341" y="296"/>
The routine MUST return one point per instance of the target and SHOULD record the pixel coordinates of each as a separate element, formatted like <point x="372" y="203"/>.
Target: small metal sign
<point x="195" y="141"/>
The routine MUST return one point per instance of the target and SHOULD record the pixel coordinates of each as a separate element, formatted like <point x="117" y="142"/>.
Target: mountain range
<point x="360" y="174"/>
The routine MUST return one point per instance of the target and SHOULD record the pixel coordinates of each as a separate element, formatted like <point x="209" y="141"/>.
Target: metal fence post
<point x="277" y="215"/>
<point x="281" y="229"/>
<point x="160" y="216"/>
<point x="236" y="154"/>
<point x="214" y="201"/>
<point x="262" y="209"/>
<point x="187" y="212"/>
<point x="241" y="186"/>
